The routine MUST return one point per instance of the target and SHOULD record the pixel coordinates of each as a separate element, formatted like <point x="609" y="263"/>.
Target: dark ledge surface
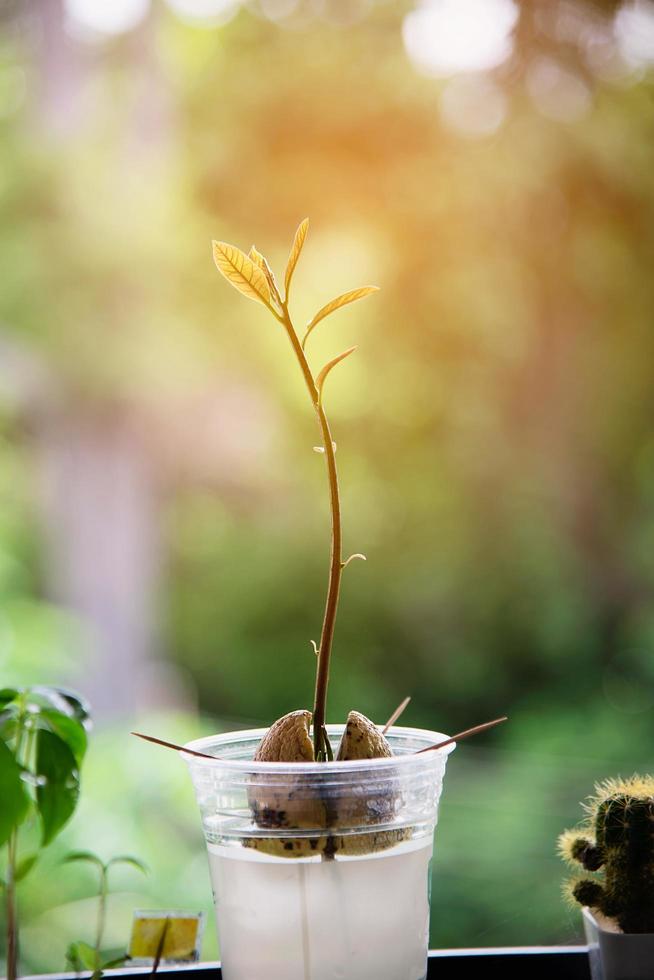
<point x="507" y="963"/>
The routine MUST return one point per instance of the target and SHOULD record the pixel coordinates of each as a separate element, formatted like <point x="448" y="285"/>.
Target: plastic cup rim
<point x="417" y="758"/>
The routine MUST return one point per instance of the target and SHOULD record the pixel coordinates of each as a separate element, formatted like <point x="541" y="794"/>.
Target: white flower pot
<point x="616" y="955"/>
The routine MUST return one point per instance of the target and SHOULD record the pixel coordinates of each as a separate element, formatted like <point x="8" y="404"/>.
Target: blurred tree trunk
<point x="100" y="503"/>
<point x="102" y="544"/>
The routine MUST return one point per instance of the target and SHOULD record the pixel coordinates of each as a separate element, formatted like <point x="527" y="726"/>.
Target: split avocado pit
<point x="296" y="804"/>
<point x="288" y="740"/>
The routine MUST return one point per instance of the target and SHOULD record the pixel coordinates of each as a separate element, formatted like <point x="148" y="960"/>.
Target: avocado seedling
<point x="252" y="276"/>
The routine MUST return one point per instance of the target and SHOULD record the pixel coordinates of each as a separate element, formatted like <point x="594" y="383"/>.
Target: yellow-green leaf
<point x="320" y="380"/>
<point x="298" y="242"/>
<point x="256" y="257"/>
<point x="351" y="297"/>
<point x="262" y="262"/>
<point x="241" y="271"/>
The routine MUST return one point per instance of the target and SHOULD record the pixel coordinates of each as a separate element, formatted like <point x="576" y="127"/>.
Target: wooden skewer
<point x="465" y="734"/>
<point x="171" y="745"/>
<point x="396" y="714"/>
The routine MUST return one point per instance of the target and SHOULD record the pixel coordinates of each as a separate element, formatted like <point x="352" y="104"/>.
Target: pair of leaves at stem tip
<point x="80" y="955"/>
<point x="251" y="275"/>
<point x="103" y="866"/>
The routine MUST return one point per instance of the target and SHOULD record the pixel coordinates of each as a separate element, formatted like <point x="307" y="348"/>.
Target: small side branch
<point x="347" y="561"/>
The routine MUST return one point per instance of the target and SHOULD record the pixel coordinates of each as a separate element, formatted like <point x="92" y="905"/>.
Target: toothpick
<point x="396" y="714"/>
<point x="171" y="745"/>
<point x="465" y="734"/>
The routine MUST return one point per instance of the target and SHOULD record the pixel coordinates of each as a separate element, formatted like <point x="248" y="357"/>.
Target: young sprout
<point x="251" y="275"/>
<point x="81" y="955"/>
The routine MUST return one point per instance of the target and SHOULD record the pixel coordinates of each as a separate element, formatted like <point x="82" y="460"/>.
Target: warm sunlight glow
<point x="443" y="37"/>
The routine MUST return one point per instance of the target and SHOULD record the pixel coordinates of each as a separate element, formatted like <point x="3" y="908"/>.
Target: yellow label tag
<point x="180" y="942"/>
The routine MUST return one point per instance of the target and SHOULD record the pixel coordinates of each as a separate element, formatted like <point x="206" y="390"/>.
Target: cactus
<point x="616" y="844"/>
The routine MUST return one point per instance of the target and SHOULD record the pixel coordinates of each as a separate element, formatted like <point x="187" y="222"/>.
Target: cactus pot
<point x="616" y="955"/>
<point x="320" y="870"/>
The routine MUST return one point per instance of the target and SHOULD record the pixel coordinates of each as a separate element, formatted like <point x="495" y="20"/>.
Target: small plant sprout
<point x="252" y="276"/>
<point x="81" y="955"/>
<point x="43" y="739"/>
<point x="616" y="845"/>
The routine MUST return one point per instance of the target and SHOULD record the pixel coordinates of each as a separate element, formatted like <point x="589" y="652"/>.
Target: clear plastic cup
<point x="320" y="871"/>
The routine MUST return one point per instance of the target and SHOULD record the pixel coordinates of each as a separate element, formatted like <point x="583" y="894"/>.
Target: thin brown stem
<point x="23" y="747"/>
<point x="320" y="740"/>
<point x="102" y="912"/>
<point x="10" y="904"/>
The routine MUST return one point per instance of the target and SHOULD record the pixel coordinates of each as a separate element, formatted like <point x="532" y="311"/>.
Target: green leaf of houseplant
<point x="119" y="961"/>
<point x="61" y="699"/>
<point x="9" y="722"/>
<point x="58" y="793"/>
<point x="81" y="956"/>
<point x="68" y="729"/>
<point x="7" y="695"/>
<point x="24" y="866"/>
<point x="77" y="706"/>
<point x="14" y="799"/>
<point x="38" y="697"/>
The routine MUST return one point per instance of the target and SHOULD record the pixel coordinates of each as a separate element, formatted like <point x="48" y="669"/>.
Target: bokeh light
<point x="278" y="10"/>
<point x="634" y="29"/>
<point x="443" y="37"/>
<point x="209" y="13"/>
<point x="558" y="93"/>
<point x="115" y="17"/>
<point x="473" y="105"/>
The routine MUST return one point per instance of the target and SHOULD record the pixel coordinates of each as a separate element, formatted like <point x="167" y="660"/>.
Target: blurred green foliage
<point x="494" y="430"/>
<point x="126" y="802"/>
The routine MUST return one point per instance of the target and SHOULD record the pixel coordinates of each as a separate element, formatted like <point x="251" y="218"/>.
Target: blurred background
<point x="164" y="523"/>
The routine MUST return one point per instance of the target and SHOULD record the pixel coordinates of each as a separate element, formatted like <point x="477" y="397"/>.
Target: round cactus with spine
<point x="615" y="844"/>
